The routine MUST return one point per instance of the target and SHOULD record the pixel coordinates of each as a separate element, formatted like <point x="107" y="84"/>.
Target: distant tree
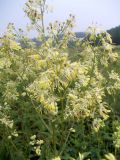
<point x="115" y="33"/>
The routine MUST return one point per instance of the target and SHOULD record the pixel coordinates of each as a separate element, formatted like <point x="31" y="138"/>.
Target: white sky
<point x="104" y="12"/>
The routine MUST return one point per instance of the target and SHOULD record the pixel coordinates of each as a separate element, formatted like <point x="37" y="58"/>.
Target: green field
<point x="58" y="102"/>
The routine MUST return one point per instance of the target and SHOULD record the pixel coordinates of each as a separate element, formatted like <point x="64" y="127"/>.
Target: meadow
<point x="58" y="102"/>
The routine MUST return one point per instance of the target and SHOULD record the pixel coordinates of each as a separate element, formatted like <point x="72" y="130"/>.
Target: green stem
<point x="54" y="139"/>
<point x="66" y="140"/>
<point x="42" y="120"/>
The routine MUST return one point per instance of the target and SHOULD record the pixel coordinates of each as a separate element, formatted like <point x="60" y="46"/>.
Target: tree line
<point x="115" y="33"/>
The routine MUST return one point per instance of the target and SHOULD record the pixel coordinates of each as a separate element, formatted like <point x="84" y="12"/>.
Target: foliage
<point x="52" y="107"/>
<point x="115" y="33"/>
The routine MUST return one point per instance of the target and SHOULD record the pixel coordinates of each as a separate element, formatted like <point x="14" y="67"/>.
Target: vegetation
<point x="55" y="105"/>
<point x="115" y="33"/>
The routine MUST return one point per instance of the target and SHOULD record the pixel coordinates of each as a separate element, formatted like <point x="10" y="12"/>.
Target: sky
<point x="106" y="13"/>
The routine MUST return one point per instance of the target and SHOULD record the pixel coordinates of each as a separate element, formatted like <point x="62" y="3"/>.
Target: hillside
<point x="115" y="33"/>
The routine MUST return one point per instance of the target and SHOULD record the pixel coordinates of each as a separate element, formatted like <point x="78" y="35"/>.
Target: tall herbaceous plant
<point x="53" y="107"/>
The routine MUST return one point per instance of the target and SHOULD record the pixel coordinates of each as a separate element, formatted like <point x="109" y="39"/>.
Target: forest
<point x="115" y="33"/>
<point x="59" y="102"/>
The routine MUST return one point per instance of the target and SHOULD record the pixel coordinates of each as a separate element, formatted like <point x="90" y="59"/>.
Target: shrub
<point x="52" y="107"/>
